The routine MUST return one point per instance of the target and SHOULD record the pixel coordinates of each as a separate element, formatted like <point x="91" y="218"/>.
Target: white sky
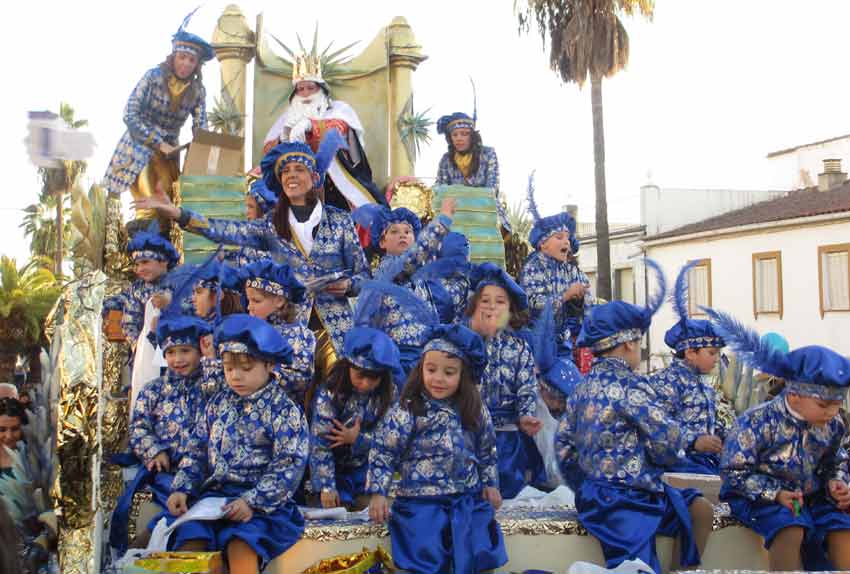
<point x="711" y="88"/>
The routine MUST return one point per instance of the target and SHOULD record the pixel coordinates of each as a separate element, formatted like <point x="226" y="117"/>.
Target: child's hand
<point x="177" y="504"/>
<point x="160" y="463"/>
<point x="161" y="300"/>
<point x="786" y="498"/>
<point x="338" y="288"/>
<point x="575" y="291"/>
<point x="238" y="511"/>
<point x="840" y="493"/>
<point x="530" y="425"/>
<point x="330" y="499"/>
<point x="708" y="443"/>
<point x="493" y="496"/>
<point x="448" y="207"/>
<point x="342" y="435"/>
<point x="379" y="508"/>
<point x="207" y="348"/>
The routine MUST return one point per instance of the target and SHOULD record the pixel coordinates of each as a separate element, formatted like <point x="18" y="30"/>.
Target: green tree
<point x="587" y="39"/>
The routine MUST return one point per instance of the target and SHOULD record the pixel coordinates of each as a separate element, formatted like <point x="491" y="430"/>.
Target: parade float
<point x="87" y="357"/>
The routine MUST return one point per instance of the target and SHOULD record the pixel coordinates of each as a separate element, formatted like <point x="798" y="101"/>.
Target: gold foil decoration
<point x="181" y="562"/>
<point x="415" y="196"/>
<point x="354" y="530"/>
<point x="358" y="563"/>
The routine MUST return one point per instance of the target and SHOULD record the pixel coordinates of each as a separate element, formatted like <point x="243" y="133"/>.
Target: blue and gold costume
<point x="252" y="447"/>
<point x="343" y="469"/>
<point x="445" y="282"/>
<point x="266" y="201"/>
<point x="614" y="442"/>
<point x="772" y="448"/>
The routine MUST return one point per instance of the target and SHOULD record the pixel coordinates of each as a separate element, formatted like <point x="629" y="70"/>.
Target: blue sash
<point x="159" y="483"/>
<point x="698" y="463"/>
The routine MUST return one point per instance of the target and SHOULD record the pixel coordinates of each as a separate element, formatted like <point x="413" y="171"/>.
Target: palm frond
<point x="413" y="128"/>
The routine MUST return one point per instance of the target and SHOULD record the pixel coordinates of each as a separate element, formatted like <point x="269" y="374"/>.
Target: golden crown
<point x="308" y="67"/>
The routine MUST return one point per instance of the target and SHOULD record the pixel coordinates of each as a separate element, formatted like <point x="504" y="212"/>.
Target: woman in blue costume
<point x="250" y="446"/>
<point x="508" y="385"/>
<point x="317" y="241"/>
<point x="440" y="439"/>
<point x="615" y="441"/>
<point x="163" y="418"/>
<point x="155" y="113"/>
<point x="346" y="412"/>
<point x="785" y="472"/>
<point x="692" y="401"/>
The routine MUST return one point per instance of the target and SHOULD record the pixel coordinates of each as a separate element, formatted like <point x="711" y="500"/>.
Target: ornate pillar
<point x="234" y="45"/>
<point x="405" y="56"/>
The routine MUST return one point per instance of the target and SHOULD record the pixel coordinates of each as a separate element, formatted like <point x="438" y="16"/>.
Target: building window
<point x="767" y="283"/>
<point x="834" y="275"/>
<point x="699" y="287"/>
<point x="591" y="276"/>
<point x="624" y="285"/>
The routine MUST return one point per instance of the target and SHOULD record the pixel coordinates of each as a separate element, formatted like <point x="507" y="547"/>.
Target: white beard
<point x="311" y="107"/>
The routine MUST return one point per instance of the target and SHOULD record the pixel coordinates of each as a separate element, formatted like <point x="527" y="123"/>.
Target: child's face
<point x="297" y="181"/>
<point x="185" y="64"/>
<point x="364" y="381"/>
<point x="703" y="360"/>
<point x="261" y="304"/>
<point x="183" y="359"/>
<point x="149" y="270"/>
<point x="245" y="374"/>
<point x="814" y="411"/>
<point x="557" y="246"/>
<point x="441" y="374"/>
<point x="397" y="238"/>
<point x="492" y="311"/>
<point x="252" y="210"/>
<point x="10" y="431"/>
<point x="203" y="298"/>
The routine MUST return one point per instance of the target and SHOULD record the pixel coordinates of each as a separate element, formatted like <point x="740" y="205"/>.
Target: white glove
<point x="300" y="129"/>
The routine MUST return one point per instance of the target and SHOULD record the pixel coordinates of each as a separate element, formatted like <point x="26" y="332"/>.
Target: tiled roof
<point x="801" y="203"/>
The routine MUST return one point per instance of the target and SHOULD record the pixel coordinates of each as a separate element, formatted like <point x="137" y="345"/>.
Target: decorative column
<point x="405" y="56"/>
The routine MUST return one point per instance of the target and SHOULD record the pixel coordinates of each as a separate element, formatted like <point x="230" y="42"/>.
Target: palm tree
<point x="587" y="38"/>
<point x="26" y="297"/>
<point x="39" y="225"/>
<point x="56" y="181"/>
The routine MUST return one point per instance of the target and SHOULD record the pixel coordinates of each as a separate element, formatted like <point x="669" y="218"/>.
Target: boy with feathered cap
<point x="615" y="441"/>
<point x="693" y="402"/>
<point x="785" y="473"/>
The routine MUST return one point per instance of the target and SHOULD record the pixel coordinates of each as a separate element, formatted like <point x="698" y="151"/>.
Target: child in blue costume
<point x="347" y="409"/>
<point x="259" y="201"/>
<point x="785" y="473"/>
<point x="557" y="376"/>
<point x="549" y="276"/>
<point x="163" y="417"/>
<point x="508" y="386"/>
<point x="251" y="446"/>
<point x="318" y="242"/>
<point x="405" y="250"/>
<point x="274" y="295"/>
<point x="689" y="399"/>
<point x="615" y="441"/>
<point x="440" y="439"/>
<point x="445" y="282"/>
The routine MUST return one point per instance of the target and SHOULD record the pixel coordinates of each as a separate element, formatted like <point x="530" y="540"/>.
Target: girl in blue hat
<point x="346" y="411"/>
<point x="316" y="240"/>
<point x="440" y="439"/>
<point x="785" y="473"/>
<point x="259" y="200"/>
<point x="497" y="310"/>
<point x="250" y="446"/>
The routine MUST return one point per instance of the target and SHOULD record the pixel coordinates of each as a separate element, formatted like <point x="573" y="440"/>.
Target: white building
<point x="781" y="265"/>
<point x="799" y="167"/>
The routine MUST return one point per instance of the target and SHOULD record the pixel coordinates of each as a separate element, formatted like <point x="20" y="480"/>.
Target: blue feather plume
<point x="185" y="286"/>
<point x="187" y="18"/>
<point x="680" y="291"/>
<point x="376" y="289"/>
<point x="544" y="343"/>
<point x="327" y="151"/>
<point x="747" y="344"/>
<point x="474" y="101"/>
<point x="365" y="214"/>
<point x="532" y="204"/>
<point x="654" y="302"/>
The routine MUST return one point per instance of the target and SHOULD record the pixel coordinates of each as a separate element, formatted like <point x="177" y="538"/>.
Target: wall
<point x="664" y="209"/>
<point x="624" y="249"/>
<point x="732" y="282"/>
<point x="800" y="168"/>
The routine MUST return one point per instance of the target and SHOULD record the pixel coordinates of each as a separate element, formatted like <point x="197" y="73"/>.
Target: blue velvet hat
<point x="384" y="217"/>
<point x="181" y="330"/>
<point x="491" y="274"/>
<point x="446" y="124"/>
<point x="149" y="244"/>
<point x="266" y="199"/>
<point x="274" y="161"/>
<point x="545" y="227"/>
<point x="689" y="333"/>
<point x="372" y="350"/>
<point x="460" y="341"/>
<point x="619" y="322"/>
<point x="558" y="372"/>
<point x="275" y="278"/>
<point x="255" y="337"/>
<point x="207" y="275"/>
<point x="812" y="371"/>
<point x="184" y="41"/>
